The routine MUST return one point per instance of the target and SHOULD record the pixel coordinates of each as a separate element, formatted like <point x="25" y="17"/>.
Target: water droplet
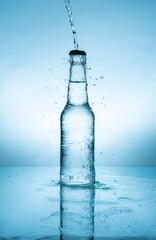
<point x="39" y="189"/>
<point x="139" y="205"/>
<point x="124" y="198"/>
<point x="85" y="208"/>
<point x="70" y="177"/>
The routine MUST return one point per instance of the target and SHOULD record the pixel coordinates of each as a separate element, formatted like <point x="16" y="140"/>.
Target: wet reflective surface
<point x="122" y="205"/>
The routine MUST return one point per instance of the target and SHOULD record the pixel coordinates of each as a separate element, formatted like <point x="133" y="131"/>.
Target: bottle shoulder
<point x="83" y="110"/>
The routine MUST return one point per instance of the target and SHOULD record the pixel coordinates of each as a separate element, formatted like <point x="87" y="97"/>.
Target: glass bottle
<point x="77" y="127"/>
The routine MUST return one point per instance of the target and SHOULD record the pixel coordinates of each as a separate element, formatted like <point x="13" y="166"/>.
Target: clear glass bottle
<point x="77" y="128"/>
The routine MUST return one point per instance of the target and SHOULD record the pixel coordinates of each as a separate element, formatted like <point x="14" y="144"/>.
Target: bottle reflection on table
<point x="76" y="213"/>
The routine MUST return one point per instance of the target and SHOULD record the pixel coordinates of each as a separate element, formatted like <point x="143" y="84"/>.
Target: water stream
<point x="69" y="10"/>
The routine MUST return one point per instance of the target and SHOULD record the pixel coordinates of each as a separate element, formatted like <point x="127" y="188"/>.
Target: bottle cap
<point x="77" y="52"/>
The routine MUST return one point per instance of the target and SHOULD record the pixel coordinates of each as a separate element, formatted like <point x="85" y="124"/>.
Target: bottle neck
<point x="77" y="87"/>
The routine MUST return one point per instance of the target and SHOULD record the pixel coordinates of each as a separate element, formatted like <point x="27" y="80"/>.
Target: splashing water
<point x="69" y="10"/>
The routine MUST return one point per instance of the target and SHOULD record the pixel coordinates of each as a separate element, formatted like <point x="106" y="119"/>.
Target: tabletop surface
<point x="122" y="205"/>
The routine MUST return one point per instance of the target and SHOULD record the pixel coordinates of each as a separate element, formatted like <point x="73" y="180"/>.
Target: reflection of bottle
<point x="77" y="127"/>
<point x="76" y="213"/>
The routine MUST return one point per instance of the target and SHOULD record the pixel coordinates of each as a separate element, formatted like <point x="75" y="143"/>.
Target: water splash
<point x="69" y="10"/>
<point x="96" y="185"/>
<point x="52" y="221"/>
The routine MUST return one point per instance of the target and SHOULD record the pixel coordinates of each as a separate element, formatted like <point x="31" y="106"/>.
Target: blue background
<point x="119" y="37"/>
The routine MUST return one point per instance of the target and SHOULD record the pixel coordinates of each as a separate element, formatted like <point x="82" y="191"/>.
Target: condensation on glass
<point x="77" y="127"/>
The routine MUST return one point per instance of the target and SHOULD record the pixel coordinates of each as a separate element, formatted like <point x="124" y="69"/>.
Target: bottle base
<point x="65" y="181"/>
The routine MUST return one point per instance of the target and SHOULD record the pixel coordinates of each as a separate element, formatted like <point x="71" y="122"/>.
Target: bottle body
<point x="77" y="145"/>
<point x="77" y="137"/>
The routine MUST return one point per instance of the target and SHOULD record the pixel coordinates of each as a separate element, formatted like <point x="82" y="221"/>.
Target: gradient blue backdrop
<point x="119" y="37"/>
